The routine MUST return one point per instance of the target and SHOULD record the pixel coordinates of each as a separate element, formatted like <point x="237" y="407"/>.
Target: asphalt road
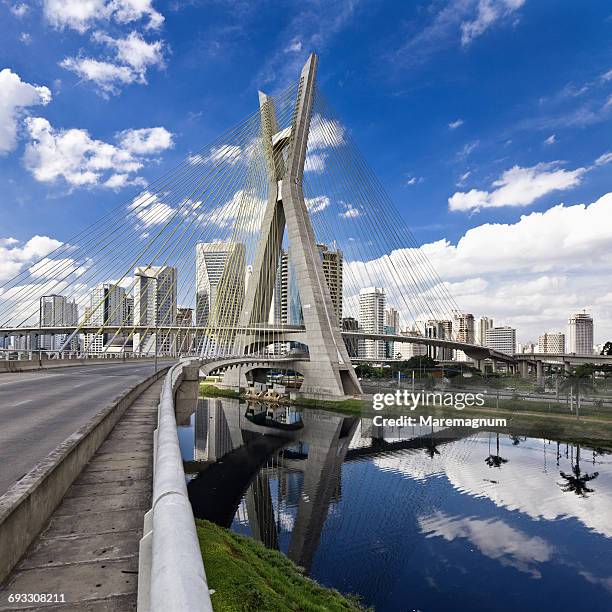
<point x="39" y="410"/>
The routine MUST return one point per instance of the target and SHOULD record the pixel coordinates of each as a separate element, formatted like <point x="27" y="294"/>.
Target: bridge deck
<point x="89" y="549"/>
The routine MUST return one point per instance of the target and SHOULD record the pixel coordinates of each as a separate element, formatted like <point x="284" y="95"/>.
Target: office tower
<point x="502" y="339"/>
<point x="184" y="338"/>
<point x="106" y="307"/>
<point x="407" y="350"/>
<point x="464" y="332"/>
<point x="220" y="282"/>
<point x="154" y="306"/>
<point x="57" y="311"/>
<point x="129" y="309"/>
<point x="372" y="321"/>
<point x="484" y="323"/>
<point x="392" y="326"/>
<point x="551" y="342"/>
<point x="442" y="330"/>
<point x="332" y="269"/>
<point x="350" y="324"/>
<point x="580" y="336"/>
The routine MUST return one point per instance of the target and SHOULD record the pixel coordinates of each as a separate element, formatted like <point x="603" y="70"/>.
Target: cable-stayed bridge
<point x="276" y="239"/>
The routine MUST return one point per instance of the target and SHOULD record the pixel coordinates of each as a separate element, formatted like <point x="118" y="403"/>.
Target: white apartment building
<point x="551" y="342"/>
<point x="502" y="339"/>
<point x="580" y="334"/>
<point x="372" y="321"/>
<point x="107" y="306"/>
<point x="154" y="305"/>
<point x="484" y="324"/>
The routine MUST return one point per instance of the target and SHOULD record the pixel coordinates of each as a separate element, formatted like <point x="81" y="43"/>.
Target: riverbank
<point x="245" y="576"/>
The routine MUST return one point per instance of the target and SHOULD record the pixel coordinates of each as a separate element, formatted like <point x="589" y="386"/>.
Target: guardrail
<point x="171" y="574"/>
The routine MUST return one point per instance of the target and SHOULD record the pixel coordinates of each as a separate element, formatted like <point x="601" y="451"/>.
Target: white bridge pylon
<point x="328" y="370"/>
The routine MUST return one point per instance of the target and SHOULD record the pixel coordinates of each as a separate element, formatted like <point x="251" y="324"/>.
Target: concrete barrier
<point x="28" y="365"/>
<point x="171" y="576"/>
<point x="27" y="505"/>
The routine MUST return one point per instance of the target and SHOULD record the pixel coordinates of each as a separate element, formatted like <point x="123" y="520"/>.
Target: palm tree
<point x="495" y="460"/>
<point x="576" y="482"/>
<point x="577" y="383"/>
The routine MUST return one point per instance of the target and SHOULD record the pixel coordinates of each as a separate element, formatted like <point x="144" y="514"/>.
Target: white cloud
<point x="106" y="75"/>
<point x="453" y="125"/>
<point x="134" y="50"/>
<point x="72" y="155"/>
<point x="510" y="271"/>
<point x="551" y="139"/>
<point x="325" y="134"/>
<point x="350" y="212"/>
<point x="146" y="140"/>
<point x="607" y="76"/>
<point x="15" y="255"/>
<point x="15" y="96"/>
<point x="19" y="9"/>
<point x="315" y="162"/>
<point x="80" y="15"/>
<point x="133" y="57"/>
<point x="606" y="158"/>
<point x="317" y="204"/>
<point x="518" y="187"/>
<point x="295" y="46"/>
<point x="25" y="38"/>
<point x="489" y="11"/>
<point x="493" y="538"/>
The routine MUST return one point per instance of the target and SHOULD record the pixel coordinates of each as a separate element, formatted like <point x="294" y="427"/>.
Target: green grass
<point x="209" y="390"/>
<point x="350" y="406"/>
<point x="247" y="577"/>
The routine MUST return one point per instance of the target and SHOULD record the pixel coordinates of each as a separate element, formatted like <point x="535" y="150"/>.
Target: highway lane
<point x="39" y="410"/>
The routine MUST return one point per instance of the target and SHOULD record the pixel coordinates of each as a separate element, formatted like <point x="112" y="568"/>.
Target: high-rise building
<point x="464" y="332"/>
<point x="351" y="324"/>
<point x="484" y="323"/>
<point x="409" y="349"/>
<point x="392" y="326"/>
<point x="551" y="342"/>
<point x="502" y="339"/>
<point x="154" y="306"/>
<point x="57" y="311"/>
<point x="372" y="321"/>
<point x="184" y="338"/>
<point x="332" y="269"/>
<point x="443" y="330"/>
<point x="129" y="309"/>
<point x="580" y="336"/>
<point x="220" y="282"/>
<point x="106" y="307"/>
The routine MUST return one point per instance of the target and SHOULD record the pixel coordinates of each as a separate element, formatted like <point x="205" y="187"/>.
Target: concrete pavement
<point x="39" y="410"/>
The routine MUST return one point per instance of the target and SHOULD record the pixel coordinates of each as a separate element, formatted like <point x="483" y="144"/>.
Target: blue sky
<point x="472" y="113"/>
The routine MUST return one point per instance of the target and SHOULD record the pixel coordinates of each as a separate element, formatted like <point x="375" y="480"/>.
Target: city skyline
<point x="475" y="185"/>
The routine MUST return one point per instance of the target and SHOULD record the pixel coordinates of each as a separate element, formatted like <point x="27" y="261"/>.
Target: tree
<point x="576" y="384"/>
<point x="495" y="460"/>
<point x="607" y="349"/>
<point x="576" y="482"/>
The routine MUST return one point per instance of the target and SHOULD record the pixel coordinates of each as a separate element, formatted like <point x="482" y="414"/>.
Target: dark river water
<point x="429" y="520"/>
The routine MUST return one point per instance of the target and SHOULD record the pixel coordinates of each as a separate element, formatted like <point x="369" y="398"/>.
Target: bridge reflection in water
<point x="238" y="449"/>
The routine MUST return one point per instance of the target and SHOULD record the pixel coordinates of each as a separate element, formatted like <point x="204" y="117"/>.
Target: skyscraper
<point x="443" y="330"/>
<point x="392" y="326"/>
<point x="332" y="269"/>
<point x="484" y="323"/>
<point x="107" y="307"/>
<point x="351" y="324"/>
<point x="57" y="311"/>
<point x="464" y="332"/>
<point x="580" y="336"/>
<point x="502" y="339"/>
<point x="184" y="338"/>
<point x="372" y="321"/>
<point x="154" y="306"/>
<point x="220" y="283"/>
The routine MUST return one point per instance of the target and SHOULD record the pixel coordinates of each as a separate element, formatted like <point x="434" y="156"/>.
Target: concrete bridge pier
<point x="567" y="367"/>
<point x="539" y="371"/>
